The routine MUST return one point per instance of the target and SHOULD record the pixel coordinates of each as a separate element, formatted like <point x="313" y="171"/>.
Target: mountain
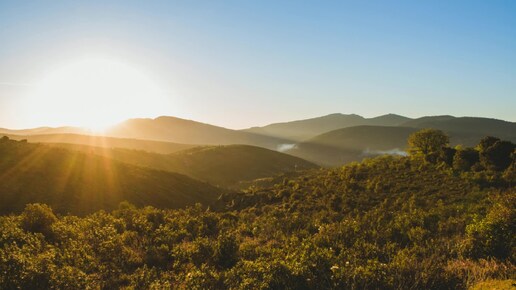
<point x="79" y="183"/>
<point x="46" y="130"/>
<point x="172" y="129"/>
<point x="352" y="144"/>
<point x="304" y="129"/>
<point x="104" y="142"/>
<point x="225" y="166"/>
<point x="473" y="126"/>
<point x="355" y="143"/>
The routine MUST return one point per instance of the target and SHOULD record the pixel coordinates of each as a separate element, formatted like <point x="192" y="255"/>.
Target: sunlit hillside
<point x="78" y="183"/>
<point x="387" y="223"/>
<point x="103" y="142"/>
<point x="225" y="166"/>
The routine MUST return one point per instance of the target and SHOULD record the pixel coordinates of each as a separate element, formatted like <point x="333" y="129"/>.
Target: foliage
<point x="428" y="143"/>
<point x="389" y="223"/>
<point x="385" y="223"/>
<point x="80" y="183"/>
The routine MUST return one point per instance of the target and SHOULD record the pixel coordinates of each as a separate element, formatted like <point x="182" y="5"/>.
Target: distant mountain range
<point x="304" y="129"/>
<point x="178" y="130"/>
<point x="323" y="140"/>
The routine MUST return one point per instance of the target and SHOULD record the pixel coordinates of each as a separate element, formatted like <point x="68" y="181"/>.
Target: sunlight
<point x="93" y="93"/>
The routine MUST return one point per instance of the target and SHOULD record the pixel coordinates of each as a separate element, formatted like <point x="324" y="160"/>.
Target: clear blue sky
<point x="245" y="63"/>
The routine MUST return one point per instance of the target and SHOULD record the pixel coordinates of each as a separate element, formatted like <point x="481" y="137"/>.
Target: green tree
<point x="465" y="158"/>
<point x="38" y="218"/>
<point x="497" y="156"/>
<point x="486" y="142"/>
<point x="428" y="143"/>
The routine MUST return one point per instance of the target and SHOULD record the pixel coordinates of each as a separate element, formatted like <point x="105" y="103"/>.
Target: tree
<point x="486" y="142"/>
<point x="428" y="143"/>
<point x="38" y="218"/>
<point x="497" y="156"/>
<point x="465" y="158"/>
<point x="447" y="155"/>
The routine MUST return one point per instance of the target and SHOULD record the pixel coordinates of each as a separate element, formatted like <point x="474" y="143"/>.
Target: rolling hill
<point x="464" y="126"/>
<point x="355" y="143"/>
<point x="304" y="129"/>
<point x="352" y="144"/>
<point x="171" y="129"/>
<point x="46" y="130"/>
<point x="225" y="166"/>
<point x="104" y="142"/>
<point x="80" y="183"/>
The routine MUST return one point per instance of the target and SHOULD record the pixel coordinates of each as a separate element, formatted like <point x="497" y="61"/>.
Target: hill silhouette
<point x="104" y="142"/>
<point x="79" y="183"/>
<point x="304" y="129"/>
<point x="464" y="126"/>
<point x="46" y="130"/>
<point x="172" y="129"/>
<point x="225" y="166"/>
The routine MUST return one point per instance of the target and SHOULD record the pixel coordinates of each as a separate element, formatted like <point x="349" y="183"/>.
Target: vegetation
<point x="104" y="142"/>
<point x="428" y="143"/>
<point x="80" y="183"/>
<point x="225" y="166"/>
<point x="385" y="223"/>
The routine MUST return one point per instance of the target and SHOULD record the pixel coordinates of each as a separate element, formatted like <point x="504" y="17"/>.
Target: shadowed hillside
<point x="468" y="126"/>
<point x="78" y="182"/>
<point x="352" y="144"/>
<point x="342" y="146"/>
<point x="225" y="166"/>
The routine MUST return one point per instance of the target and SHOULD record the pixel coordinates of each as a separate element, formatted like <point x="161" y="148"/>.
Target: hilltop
<point x="172" y="129"/>
<point x="304" y="129"/>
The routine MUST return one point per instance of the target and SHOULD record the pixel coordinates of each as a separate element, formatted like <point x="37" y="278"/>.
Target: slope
<point x="304" y="129"/>
<point x="468" y="126"/>
<point x="226" y="166"/>
<point x="80" y="183"/>
<point x="352" y="144"/>
<point x="104" y="142"/>
<point x="355" y="143"/>
<point x="172" y="129"/>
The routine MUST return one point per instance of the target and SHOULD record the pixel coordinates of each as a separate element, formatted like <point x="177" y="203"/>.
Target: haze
<point x="239" y="65"/>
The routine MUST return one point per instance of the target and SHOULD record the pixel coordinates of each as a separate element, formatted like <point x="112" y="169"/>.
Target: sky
<point x="239" y="64"/>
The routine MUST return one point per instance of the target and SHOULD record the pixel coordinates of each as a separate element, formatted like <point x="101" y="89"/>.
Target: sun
<point x="93" y="93"/>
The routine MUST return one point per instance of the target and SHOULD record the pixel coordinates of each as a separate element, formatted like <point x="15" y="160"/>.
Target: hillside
<point x="345" y="145"/>
<point x="225" y="166"/>
<point x="79" y="183"/>
<point x="104" y="142"/>
<point x="304" y="129"/>
<point x="389" y="223"/>
<point x="468" y="126"/>
<point x="352" y="144"/>
<point x="171" y="129"/>
<point x="46" y="131"/>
